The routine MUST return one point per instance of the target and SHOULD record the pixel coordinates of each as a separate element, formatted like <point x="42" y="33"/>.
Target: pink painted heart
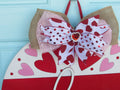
<point x="106" y="65"/>
<point x="26" y="70"/>
<point x="115" y="49"/>
<point x="31" y="52"/>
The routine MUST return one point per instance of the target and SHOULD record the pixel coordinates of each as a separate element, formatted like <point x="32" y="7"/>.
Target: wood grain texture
<point x="16" y="16"/>
<point x="103" y="1"/>
<point x="22" y="2"/>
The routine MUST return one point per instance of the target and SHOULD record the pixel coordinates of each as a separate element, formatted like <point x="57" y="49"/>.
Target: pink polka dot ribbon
<point x="85" y="40"/>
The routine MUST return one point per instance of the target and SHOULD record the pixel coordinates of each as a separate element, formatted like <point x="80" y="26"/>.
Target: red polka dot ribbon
<point x="86" y="40"/>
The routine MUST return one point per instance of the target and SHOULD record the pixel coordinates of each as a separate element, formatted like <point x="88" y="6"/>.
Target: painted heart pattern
<point x="106" y="65"/>
<point x="26" y="70"/>
<point x="31" y="52"/>
<point x="47" y="64"/>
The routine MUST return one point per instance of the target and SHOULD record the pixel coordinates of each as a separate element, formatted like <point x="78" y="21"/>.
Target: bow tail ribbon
<point x="66" y="53"/>
<point x="85" y="47"/>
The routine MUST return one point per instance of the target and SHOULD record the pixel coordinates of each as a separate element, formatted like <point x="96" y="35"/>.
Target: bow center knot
<point x="75" y="36"/>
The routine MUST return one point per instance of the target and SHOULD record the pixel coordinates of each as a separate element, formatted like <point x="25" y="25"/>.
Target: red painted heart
<point x="47" y="64"/>
<point x="75" y="36"/>
<point x="88" y="62"/>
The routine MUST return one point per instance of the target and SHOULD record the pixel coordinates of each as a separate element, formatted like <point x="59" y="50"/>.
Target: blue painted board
<point x="16" y="16"/>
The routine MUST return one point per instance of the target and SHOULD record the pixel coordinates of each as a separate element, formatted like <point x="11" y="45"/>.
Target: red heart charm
<point x="47" y="64"/>
<point x="75" y="36"/>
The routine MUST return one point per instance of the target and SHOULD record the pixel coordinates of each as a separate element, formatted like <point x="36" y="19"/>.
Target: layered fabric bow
<point x="85" y="40"/>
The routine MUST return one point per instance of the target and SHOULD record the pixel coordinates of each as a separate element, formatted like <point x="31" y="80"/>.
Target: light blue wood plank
<point x="21" y="2"/>
<point x="105" y="2"/>
<point x="112" y="1"/>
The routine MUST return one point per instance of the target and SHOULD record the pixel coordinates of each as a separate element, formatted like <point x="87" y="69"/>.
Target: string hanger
<point x="79" y="7"/>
